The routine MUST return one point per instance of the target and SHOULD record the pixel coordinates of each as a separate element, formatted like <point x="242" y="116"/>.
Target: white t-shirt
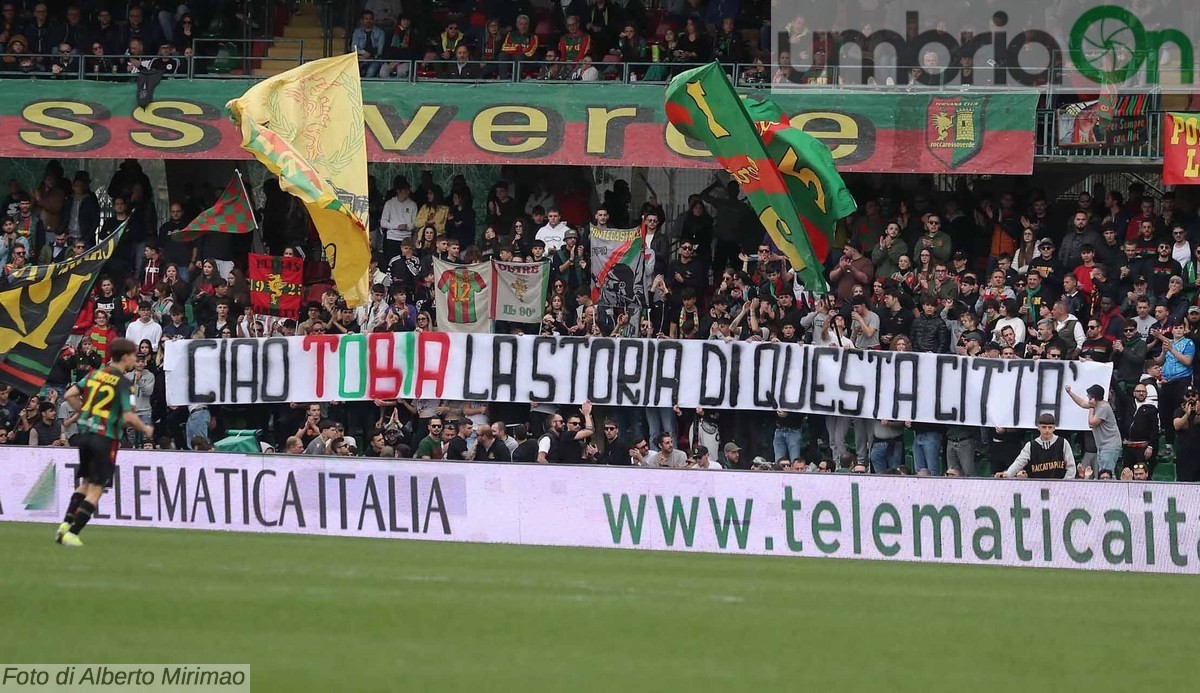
<point x="137" y="330"/>
<point x="552" y="236"/>
<point x="1182" y="254"/>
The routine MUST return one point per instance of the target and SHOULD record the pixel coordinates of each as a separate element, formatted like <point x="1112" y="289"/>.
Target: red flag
<point x="276" y="285"/>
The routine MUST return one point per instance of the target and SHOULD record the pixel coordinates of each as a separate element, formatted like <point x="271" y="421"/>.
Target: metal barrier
<point x="212" y="56"/>
<point x="1147" y="147"/>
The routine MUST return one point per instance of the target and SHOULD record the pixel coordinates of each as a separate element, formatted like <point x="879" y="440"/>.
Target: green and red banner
<point x="791" y="183"/>
<point x="231" y="213"/>
<point x="1181" y="149"/>
<point x="276" y="285"/>
<point x="607" y="124"/>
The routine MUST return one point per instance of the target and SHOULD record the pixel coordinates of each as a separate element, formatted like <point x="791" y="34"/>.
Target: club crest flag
<point x="38" y="306"/>
<point x="618" y="267"/>
<point x="232" y="213"/>
<point x="519" y="290"/>
<point x="789" y="181"/>
<point x="276" y="285"/>
<point x="306" y="126"/>
<point x="462" y="296"/>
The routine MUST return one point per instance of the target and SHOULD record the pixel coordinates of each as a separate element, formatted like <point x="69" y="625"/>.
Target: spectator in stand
<point x="604" y="21"/>
<point x="520" y="43"/>
<point x="1186" y="427"/>
<point x="573" y="45"/>
<point x="935" y="240"/>
<point x="586" y="71"/>
<point x="369" y="42"/>
<point x="1176" y="361"/>
<point x="491" y="49"/>
<point x="463" y="68"/>
<point x="488" y="448"/>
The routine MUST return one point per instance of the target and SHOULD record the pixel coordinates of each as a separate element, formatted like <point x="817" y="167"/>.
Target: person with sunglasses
<point x="1129" y="355"/>
<point x="430" y="447"/>
<point x="616" y="452"/>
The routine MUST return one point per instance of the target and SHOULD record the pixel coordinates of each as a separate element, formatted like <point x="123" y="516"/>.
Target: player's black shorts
<point x="97" y="458"/>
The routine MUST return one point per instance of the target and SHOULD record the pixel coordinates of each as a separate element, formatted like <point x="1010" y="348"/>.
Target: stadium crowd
<point x="1110" y="277"/>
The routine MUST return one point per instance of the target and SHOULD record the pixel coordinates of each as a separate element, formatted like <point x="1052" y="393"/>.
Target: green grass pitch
<point x="322" y="614"/>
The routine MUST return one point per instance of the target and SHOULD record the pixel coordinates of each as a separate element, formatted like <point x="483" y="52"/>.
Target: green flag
<point x="232" y="213"/>
<point x="787" y="175"/>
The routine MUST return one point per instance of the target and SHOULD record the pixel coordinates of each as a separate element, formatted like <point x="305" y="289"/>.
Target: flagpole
<point x="257" y="245"/>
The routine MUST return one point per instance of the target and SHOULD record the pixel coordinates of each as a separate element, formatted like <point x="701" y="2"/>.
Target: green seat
<point x="1164" y="471"/>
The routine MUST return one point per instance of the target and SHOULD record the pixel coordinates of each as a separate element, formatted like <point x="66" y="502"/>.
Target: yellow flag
<point x="306" y="126"/>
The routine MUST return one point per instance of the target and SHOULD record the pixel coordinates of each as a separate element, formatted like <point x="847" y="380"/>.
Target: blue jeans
<point x="788" y="443"/>
<point x="1108" y="458"/>
<point x="632" y="423"/>
<point x="887" y="454"/>
<point x="371" y="68"/>
<point x="662" y="420"/>
<point x="197" y="425"/>
<point x="927" y="453"/>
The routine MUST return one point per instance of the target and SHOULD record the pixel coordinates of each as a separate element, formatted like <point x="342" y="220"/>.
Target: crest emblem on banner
<point x="519" y="288"/>
<point x="954" y="129"/>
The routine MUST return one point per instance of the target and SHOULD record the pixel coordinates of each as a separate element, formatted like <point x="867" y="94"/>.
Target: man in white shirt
<point x="700" y="459"/>
<point x="553" y="232"/>
<point x="1181" y="250"/>
<point x="145" y="327"/>
<point x="399" y="217"/>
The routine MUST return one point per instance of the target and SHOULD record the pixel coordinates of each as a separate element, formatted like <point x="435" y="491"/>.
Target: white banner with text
<point x="932" y="388"/>
<point x="1094" y="525"/>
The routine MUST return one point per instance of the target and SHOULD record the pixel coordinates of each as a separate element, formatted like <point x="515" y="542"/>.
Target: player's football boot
<point x="70" y="539"/>
<point x="62" y="529"/>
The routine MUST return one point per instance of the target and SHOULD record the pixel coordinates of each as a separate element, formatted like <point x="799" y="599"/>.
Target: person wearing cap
<point x="699" y="459"/>
<point x="1048" y="264"/>
<point x="733" y="455"/>
<point x="1176" y="360"/>
<point x="1103" y="422"/>
<point x="1046" y="457"/>
<point x="1186" y="427"/>
<point x="569" y="262"/>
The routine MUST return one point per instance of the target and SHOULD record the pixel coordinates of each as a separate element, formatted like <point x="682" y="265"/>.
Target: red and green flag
<point x="276" y="285"/>
<point x="232" y="213"/>
<point x="787" y="175"/>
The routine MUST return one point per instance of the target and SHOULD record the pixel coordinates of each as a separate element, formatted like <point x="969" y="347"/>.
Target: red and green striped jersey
<point x="571" y="49"/>
<point x="461" y="285"/>
<point x="107" y="395"/>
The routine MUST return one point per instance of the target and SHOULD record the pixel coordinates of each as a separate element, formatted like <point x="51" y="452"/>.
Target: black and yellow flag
<point x="38" y="306"/>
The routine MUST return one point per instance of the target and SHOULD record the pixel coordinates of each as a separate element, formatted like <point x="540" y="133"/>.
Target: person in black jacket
<point x="616" y="452"/>
<point x="527" y="448"/>
<point x="929" y="331"/>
